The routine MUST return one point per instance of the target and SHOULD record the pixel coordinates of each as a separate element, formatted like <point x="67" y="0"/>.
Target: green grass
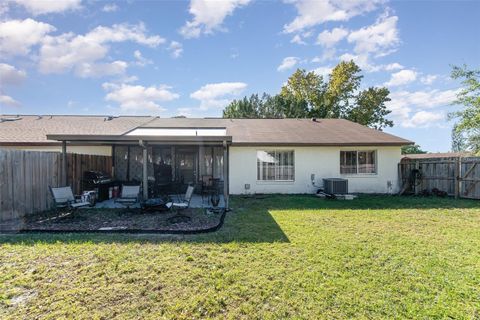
<point x="279" y="257"/>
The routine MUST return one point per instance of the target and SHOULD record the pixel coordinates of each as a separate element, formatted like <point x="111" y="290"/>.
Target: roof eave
<point x="127" y="138"/>
<point x="323" y="144"/>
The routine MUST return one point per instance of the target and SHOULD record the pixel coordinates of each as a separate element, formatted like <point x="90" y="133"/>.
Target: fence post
<point x="458" y="168"/>
<point x="417" y="167"/>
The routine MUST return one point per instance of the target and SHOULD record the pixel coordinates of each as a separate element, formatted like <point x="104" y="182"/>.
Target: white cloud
<point x="323" y="71"/>
<point x="217" y="95"/>
<point x="428" y="79"/>
<point x="288" y="63"/>
<point x="298" y="39"/>
<point x="137" y="99"/>
<point x="208" y="16"/>
<point x="110" y="7"/>
<point x="38" y="7"/>
<point x="406" y="104"/>
<point x="96" y="70"/>
<point x="365" y="63"/>
<point x="176" y="49"/>
<point x="393" y="66"/>
<point x="423" y="119"/>
<point x="9" y="75"/>
<point x="140" y="59"/>
<point x="124" y="32"/>
<point x="328" y="54"/>
<point x="362" y="60"/>
<point x="82" y="53"/>
<point x="18" y="36"/>
<point x="331" y="38"/>
<point x="401" y="77"/>
<point x="380" y="38"/>
<point x="314" y="12"/>
<point x="423" y="99"/>
<point x="8" y="101"/>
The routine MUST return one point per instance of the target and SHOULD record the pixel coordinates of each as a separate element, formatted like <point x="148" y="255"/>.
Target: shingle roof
<point x="33" y="129"/>
<point x="243" y="131"/>
<point x="289" y="131"/>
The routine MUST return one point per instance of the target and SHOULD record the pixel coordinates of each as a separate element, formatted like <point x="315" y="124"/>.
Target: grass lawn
<point x="279" y="257"/>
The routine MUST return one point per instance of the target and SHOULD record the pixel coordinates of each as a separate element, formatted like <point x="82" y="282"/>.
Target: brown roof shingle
<point x="289" y="131"/>
<point x="243" y="131"/>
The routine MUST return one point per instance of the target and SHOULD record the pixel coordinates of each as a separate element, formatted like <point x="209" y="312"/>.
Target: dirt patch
<point x="123" y="219"/>
<point x="22" y="299"/>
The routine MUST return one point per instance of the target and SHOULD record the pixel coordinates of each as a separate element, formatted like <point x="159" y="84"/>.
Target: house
<point x="246" y="155"/>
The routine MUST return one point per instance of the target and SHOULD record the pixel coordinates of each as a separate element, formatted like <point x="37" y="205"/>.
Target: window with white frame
<point x="276" y="165"/>
<point x="358" y="162"/>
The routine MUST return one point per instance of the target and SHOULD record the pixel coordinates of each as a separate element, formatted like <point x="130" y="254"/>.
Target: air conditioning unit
<point x="335" y="185"/>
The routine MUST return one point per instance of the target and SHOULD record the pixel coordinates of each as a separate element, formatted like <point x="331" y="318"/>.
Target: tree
<point x="279" y="106"/>
<point x="412" y="149"/>
<point x="244" y="108"/>
<point x="468" y="126"/>
<point x="370" y="109"/>
<point x="304" y="86"/>
<point x="458" y="140"/>
<point x="342" y="88"/>
<point x="266" y="107"/>
<point x="306" y="94"/>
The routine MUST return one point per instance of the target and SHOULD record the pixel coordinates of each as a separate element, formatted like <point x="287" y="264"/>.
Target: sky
<point x="168" y="58"/>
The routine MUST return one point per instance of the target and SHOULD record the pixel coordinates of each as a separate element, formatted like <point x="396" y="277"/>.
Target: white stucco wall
<point x="324" y="162"/>
<point x="95" y="150"/>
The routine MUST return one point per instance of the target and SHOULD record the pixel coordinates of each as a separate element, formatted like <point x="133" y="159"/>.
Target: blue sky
<point x="192" y="58"/>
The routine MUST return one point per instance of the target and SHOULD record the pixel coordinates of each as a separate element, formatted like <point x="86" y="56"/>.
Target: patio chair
<point x="129" y="195"/>
<point x="63" y="198"/>
<point x="185" y="203"/>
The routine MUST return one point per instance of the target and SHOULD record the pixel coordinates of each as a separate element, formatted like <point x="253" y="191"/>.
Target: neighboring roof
<point x="322" y="132"/>
<point x="437" y="155"/>
<point x="29" y="129"/>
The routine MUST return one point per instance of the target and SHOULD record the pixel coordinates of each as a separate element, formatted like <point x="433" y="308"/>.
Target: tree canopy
<point x="412" y="149"/>
<point x="307" y="94"/>
<point x="466" y="134"/>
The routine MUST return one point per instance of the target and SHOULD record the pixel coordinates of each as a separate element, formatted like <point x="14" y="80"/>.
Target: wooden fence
<point x="25" y="177"/>
<point x="459" y="177"/>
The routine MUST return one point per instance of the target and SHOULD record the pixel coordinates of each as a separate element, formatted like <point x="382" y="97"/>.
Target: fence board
<point x="25" y="177"/>
<point x="442" y="174"/>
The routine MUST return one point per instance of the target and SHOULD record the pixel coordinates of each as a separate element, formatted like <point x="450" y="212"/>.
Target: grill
<point x="335" y="186"/>
<point x="98" y="181"/>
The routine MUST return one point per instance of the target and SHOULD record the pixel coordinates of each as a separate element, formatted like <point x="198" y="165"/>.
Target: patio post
<point x="145" y="170"/>
<point x="64" y="163"/>
<point x="225" y="173"/>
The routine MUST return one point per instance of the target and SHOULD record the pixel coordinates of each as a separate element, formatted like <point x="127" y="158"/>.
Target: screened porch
<point x="171" y="168"/>
<point x="165" y="161"/>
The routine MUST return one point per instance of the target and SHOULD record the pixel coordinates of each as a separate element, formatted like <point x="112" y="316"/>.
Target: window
<point x="354" y="162"/>
<point x="275" y="165"/>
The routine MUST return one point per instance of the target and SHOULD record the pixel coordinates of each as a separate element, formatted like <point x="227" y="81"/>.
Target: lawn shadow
<point x="250" y="220"/>
<point x="240" y="225"/>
